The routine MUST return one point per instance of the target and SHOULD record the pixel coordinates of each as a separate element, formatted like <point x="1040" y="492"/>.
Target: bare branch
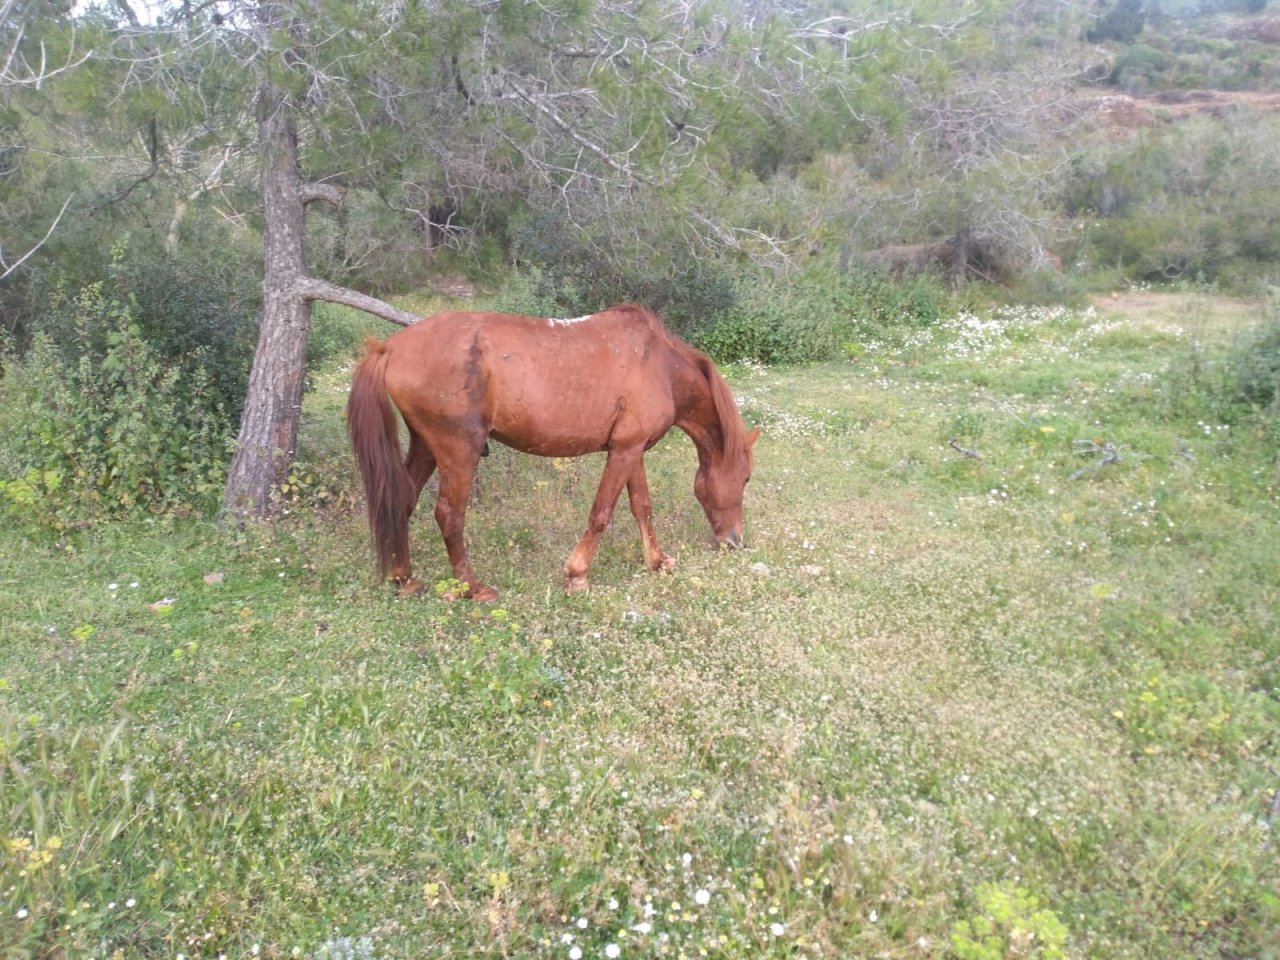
<point x="153" y="165"/>
<point x="9" y="268"/>
<point x="1107" y="453"/>
<point x="323" y="191"/>
<point x="313" y="288"/>
<point x="15" y="71"/>
<point x="539" y="104"/>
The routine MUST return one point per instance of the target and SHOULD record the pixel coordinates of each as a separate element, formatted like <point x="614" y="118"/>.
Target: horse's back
<point x="557" y="387"/>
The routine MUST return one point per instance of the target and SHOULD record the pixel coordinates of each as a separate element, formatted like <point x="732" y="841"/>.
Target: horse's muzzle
<point x="732" y="540"/>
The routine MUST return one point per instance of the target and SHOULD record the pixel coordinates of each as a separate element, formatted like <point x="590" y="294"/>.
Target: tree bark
<point x="269" y="424"/>
<point x="273" y="405"/>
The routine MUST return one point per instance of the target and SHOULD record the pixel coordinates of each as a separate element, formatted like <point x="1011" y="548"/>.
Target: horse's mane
<point x="732" y="429"/>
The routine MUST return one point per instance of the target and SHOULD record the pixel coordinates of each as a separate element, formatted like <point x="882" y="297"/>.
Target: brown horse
<point x="616" y="381"/>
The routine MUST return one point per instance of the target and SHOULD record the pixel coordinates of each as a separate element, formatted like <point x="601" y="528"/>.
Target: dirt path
<point x="1201" y="314"/>
<point x="1123" y="112"/>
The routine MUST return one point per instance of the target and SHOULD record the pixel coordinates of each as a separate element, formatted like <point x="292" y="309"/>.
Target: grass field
<point x="998" y="677"/>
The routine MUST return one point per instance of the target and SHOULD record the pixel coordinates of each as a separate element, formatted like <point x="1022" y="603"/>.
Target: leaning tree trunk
<point x="269" y="424"/>
<point x="273" y="404"/>
<point x="961" y="255"/>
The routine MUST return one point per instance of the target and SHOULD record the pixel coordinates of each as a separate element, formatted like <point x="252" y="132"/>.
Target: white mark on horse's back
<point x="555" y="322"/>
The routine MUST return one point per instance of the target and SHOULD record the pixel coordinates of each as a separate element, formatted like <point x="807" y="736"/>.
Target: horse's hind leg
<point x="420" y="463"/>
<point x="457" y="461"/>
<point x="642" y="510"/>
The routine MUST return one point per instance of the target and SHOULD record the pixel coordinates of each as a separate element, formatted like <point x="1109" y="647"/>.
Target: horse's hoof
<point x="665" y="565"/>
<point x="575" y="584"/>
<point x="481" y="593"/>
<point x="411" y="588"/>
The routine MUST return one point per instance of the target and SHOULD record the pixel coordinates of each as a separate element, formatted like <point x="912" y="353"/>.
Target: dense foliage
<point x="1253" y="377"/>
<point x="784" y="187"/>
<point x="99" y="422"/>
<point x="819" y="315"/>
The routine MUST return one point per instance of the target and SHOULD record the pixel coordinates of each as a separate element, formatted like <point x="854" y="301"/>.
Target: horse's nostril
<point x="734" y="540"/>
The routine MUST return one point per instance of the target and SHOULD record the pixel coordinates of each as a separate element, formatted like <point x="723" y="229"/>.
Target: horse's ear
<point x="752" y="437"/>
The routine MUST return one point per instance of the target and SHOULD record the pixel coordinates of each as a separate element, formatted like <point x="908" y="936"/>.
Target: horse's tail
<point x="371" y="422"/>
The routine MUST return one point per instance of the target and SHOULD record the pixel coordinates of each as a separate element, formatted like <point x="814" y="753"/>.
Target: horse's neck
<point x="695" y="408"/>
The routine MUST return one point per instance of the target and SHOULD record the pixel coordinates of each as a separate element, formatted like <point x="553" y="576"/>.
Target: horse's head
<point x="719" y="485"/>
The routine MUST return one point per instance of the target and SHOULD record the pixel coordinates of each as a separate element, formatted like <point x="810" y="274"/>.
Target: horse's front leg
<point x="618" y="469"/>
<point x="642" y="510"/>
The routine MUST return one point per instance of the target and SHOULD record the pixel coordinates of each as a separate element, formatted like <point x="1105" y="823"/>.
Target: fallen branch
<point x="963" y="451"/>
<point x="1107" y="453"/>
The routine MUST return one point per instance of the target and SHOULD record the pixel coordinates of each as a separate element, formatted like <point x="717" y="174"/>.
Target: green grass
<point x="942" y="703"/>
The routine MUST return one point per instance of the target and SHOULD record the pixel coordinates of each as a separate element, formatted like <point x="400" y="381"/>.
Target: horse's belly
<point x="533" y="432"/>
<point x="543" y="446"/>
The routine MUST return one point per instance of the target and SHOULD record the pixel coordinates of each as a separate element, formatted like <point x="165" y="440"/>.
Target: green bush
<point x="565" y="271"/>
<point x="368" y="243"/>
<point x="109" y="428"/>
<point x="527" y="290"/>
<point x="1254" y="365"/>
<point x="197" y="309"/>
<point x="818" y="316"/>
<point x="1196" y="201"/>
<point x="1139" y="66"/>
<point x="1121" y="23"/>
<point x="338" y="331"/>
<point x="1012" y="924"/>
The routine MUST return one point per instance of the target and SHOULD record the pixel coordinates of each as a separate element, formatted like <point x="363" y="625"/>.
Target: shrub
<point x="1012" y="924"/>
<point x="198" y="309"/>
<point x="1122" y="23"/>
<point x="818" y="316"/>
<point x="338" y="331"/>
<point x="1194" y="201"/>
<point x="110" y="427"/>
<point x="566" y="271"/>
<point x="1254" y="364"/>
<point x="528" y="290"/>
<point x="368" y="244"/>
<point x="1139" y="67"/>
